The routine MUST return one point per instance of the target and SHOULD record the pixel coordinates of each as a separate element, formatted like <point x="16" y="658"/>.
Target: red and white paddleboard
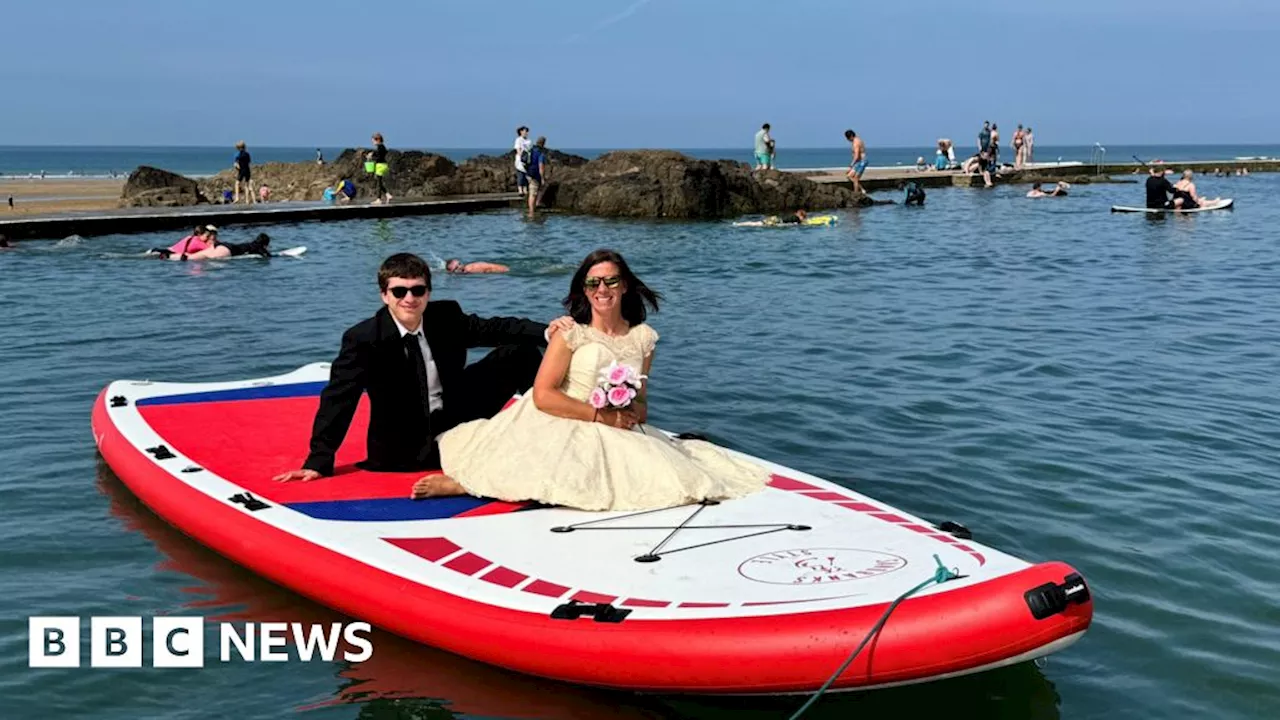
<point x="766" y="594"/>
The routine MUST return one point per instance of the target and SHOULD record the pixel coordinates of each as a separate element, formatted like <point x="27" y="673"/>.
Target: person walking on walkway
<point x="243" y="175"/>
<point x="858" y="163"/>
<point x="376" y="165"/>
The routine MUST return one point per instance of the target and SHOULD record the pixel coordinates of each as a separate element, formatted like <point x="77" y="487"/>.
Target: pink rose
<point x="619" y="396"/>
<point x="618" y="374"/>
<point x="598" y="399"/>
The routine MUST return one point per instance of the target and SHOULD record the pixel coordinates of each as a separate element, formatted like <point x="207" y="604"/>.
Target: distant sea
<point x="95" y="161"/>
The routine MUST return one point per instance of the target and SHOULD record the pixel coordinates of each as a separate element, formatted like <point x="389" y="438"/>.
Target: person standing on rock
<point x="522" y="146"/>
<point x="537" y="171"/>
<point x="763" y="148"/>
<point x="1029" y="146"/>
<point x="858" y="164"/>
<point x="376" y="165"/>
<point x="243" y="175"/>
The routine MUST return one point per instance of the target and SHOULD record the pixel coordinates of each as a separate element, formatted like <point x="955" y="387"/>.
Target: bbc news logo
<point x="179" y="642"/>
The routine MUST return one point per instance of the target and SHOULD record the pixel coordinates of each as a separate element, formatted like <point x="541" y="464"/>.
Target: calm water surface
<point x="1070" y="384"/>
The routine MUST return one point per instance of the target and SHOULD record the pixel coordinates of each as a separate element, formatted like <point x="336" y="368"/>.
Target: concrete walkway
<point x="132" y="220"/>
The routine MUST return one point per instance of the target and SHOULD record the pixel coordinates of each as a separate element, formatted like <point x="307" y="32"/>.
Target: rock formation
<point x="630" y="183"/>
<point x="152" y="187"/>
<point x="667" y="184"/>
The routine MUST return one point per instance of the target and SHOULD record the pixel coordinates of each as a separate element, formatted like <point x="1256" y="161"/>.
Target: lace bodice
<point x="593" y="351"/>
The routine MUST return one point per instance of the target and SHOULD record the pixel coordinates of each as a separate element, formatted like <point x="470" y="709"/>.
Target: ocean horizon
<point x="107" y="161"/>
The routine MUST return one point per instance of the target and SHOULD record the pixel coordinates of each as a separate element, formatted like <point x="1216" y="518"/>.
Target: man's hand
<point x="302" y="475"/>
<point x="563" y="323"/>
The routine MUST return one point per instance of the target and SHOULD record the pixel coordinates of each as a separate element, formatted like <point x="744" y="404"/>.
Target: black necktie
<point x="414" y="350"/>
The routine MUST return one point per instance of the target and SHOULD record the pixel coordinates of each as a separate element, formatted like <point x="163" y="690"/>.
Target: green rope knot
<point x="942" y="574"/>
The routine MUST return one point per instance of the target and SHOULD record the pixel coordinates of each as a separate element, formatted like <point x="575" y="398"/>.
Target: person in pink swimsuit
<point x="202" y="239"/>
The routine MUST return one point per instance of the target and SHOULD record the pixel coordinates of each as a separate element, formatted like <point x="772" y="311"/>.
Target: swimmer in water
<point x="219" y="250"/>
<point x="1059" y="190"/>
<point x="197" y="241"/>
<point x="4" y="243"/>
<point x="454" y="266"/>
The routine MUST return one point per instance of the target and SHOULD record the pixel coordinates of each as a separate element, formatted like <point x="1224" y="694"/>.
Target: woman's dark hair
<point x="633" y="302"/>
<point x="403" y="265"/>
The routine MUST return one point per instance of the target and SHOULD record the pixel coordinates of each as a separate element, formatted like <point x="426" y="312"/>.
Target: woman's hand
<point x="623" y="419"/>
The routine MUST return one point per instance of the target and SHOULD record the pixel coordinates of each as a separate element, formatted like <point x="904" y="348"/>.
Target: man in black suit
<point x="410" y="357"/>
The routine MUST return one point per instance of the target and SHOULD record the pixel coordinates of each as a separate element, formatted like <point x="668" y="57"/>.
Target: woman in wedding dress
<point x="554" y="446"/>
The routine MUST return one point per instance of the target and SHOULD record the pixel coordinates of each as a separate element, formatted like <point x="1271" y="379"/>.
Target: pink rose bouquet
<point x="619" y="387"/>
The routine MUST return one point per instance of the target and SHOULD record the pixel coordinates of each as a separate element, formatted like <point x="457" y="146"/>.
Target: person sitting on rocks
<point x="454" y="266"/>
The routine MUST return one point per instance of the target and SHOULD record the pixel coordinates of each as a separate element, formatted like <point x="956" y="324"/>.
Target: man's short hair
<point x="764" y="126"/>
<point x="849" y="134"/>
<point x="403" y="265"/>
<point x="522" y="128"/>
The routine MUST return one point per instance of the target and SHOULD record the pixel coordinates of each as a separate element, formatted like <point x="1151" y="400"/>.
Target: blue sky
<point x="636" y="73"/>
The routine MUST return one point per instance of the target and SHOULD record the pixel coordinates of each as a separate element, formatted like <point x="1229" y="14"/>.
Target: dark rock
<point x="152" y="187"/>
<point x="667" y="184"/>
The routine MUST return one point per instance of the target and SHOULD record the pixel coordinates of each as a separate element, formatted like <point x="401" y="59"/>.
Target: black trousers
<point x="490" y="382"/>
<point x="487" y="385"/>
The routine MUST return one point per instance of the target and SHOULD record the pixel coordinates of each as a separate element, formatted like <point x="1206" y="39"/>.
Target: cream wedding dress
<point x="523" y="453"/>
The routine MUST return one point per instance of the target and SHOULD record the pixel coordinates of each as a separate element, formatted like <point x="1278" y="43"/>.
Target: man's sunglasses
<point x="401" y="290"/>
<point x="592" y="283"/>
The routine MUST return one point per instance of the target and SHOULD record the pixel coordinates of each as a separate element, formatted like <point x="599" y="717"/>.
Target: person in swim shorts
<point x="454" y="266"/>
<point x="763" y="148"/>
<point x="243" y="174"/>
<point x="858" y="164"/>
<point x="376" y="165"/>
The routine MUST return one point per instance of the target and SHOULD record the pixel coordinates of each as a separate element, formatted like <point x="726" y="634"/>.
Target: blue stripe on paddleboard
<point x="263" y="392"/>
<point x="389" y="508"/>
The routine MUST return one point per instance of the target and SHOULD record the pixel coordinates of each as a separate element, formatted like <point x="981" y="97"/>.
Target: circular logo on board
<point x="818" y="566"/>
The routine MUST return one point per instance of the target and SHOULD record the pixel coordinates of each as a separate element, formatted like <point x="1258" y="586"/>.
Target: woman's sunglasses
<point x="592" y="283"/>
<point x="401" y="290"/>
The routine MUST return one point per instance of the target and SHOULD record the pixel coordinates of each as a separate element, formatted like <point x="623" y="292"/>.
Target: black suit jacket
<point x="373" y="360"/>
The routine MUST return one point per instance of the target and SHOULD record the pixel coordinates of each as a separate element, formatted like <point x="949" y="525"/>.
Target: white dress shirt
<point x="435" y="393"/>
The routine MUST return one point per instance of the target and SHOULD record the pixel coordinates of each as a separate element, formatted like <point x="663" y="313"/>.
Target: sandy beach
<point x="52" y="195"/>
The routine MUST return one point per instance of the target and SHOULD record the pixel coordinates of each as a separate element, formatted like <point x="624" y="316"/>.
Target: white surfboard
<point x="1221" y="204"/>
